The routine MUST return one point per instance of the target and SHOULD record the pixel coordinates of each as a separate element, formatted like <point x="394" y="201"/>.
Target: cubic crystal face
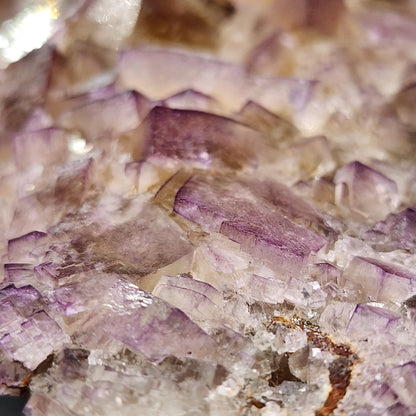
<point x="209" y="208"/>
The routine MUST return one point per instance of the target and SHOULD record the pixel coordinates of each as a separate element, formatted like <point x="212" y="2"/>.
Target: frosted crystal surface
<point x="208" y="208"/>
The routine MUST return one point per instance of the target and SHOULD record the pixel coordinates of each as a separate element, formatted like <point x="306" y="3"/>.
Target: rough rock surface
<point x="208" y="207"/>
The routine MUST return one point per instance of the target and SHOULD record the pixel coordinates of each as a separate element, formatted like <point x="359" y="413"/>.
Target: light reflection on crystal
<point x="28" y="30"/>
<point x="77" y="144"/>
<point x="195" y="250"/>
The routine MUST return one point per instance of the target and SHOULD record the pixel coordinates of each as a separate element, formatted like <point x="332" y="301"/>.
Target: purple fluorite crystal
<point x="206" y="139"/>
<point x="260" y="230"/>
<point x="365" y="190"/>
<point x="397" y="231"/>
<point x="208" y="207"/>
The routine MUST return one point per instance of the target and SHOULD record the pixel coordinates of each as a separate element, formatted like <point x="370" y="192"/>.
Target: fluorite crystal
<point x="208" y="207"/>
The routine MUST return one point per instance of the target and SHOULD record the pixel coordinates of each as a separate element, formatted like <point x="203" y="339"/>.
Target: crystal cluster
<point x="208" y="208"/>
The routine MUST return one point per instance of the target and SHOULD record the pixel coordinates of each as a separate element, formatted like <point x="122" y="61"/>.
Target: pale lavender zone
<point x="158" y="337"/>
<point x="390" y="268"/>
<point x="380" y="280"/>
<point x="29" y="344"/>
<point x="46" y="273"/>
<point x="20" y="247"/>
<point x="403" y="382"/>
<point x="368" y="190"/>
<point x="325" y="273"/>
<point x="123" y="311"/>
<point x="25" y="299"/>
<point x="361" y="175"/>
<point x="18" y="273"/>
<point x="196" y="298"/>
<point x="48" y="146"/>
<point x="289" y="204"/>
<point x="367" y="319"/>
<point x="29" y="333"/>
<point x="397" y="231"/>
<point x="28" y="320"/>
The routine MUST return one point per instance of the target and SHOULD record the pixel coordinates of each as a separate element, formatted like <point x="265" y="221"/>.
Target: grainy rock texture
<point x="208" y="207"/>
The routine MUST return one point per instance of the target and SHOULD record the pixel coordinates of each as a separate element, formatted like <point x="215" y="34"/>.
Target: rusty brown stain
<point x="252" y="401"/>
<point x="26" y="381"/>
<point x="340" y="369"/>
<point x="339" y="377"/>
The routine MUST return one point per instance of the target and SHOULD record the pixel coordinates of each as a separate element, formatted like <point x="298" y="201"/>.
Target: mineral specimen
<point x="208" y="207"/>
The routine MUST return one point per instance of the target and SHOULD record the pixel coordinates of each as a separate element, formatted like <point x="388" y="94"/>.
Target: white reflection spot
<point x="77" y="144"/>
<point x="125" y="297"/>
<point x="28" y="30"/>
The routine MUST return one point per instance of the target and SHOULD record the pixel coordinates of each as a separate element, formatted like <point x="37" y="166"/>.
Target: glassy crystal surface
<point x="208" y="207"/>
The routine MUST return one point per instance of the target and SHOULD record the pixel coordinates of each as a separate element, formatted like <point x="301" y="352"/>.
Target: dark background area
<point x="12" y="405"/>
